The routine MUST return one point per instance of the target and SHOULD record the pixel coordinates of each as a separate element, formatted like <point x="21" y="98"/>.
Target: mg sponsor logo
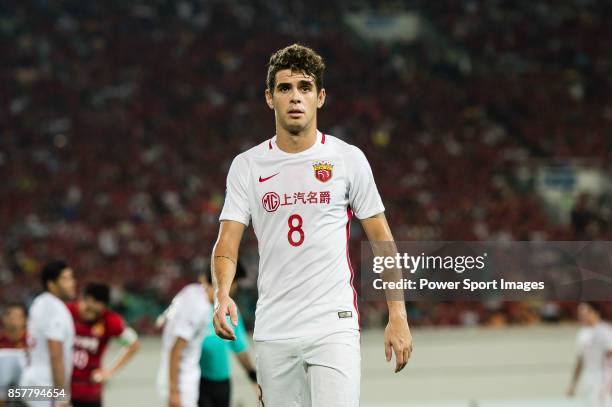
<point x="270" y="201"/>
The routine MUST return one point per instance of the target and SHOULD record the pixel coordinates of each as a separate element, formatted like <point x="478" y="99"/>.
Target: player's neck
<point x="55" y="293"/>
<point x="296" y="143"/>
<point x="595" y="322"/>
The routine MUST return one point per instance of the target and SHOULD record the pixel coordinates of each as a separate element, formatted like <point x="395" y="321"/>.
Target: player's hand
<point x="175" y="399"/>
<point x="225" y="306"/>
<point x="398" y="339"/>
<point x="571" y="390"/>
<point x="100" y="376"/>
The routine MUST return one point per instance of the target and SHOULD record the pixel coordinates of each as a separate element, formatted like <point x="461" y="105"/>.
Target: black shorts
<point x="214" y="393"/>
<point x="76" y="403"/>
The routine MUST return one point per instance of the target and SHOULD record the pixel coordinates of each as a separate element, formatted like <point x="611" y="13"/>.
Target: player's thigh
<point x="594" y="393"/>
<point x="334" y="370"/>
<point x="281" y="373"/>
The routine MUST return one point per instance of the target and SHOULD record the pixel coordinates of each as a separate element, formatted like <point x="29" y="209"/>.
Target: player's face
<point x="295" y="100"/>
<point x="66" y="284"/>
<point x="585" y="314"/>
<point x="90" y="309"/>
<point x="14" y="319"/>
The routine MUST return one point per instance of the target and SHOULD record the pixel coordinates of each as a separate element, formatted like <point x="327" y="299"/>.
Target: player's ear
<point x="321" y="98"/>
<point x="269" y="99"/>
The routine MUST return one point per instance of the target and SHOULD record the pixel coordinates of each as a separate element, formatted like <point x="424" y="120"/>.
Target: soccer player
<point x="300" y="188"/>
<point x="215" y="384"/>
<point x="51" y="332"/>
<point x="95" y="326"/>
<point x="594" y="363"/>
<point x="185" y="321"/>
<point x="12" y="347"/>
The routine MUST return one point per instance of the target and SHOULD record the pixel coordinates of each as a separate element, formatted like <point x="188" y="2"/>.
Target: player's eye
<point x="283" y="88"/>
<point x="305" y="88"/>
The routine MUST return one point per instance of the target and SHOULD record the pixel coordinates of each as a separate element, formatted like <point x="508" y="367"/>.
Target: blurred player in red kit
<point x="95" y="325"/>
<point x="13" y="332"/>
<point x="12" y="346"/>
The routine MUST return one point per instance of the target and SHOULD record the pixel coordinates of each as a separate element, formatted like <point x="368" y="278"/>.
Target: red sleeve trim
<point x="349" y="214"/>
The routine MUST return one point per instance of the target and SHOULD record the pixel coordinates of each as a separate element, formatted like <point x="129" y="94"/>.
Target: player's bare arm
<point x="571" y="391"/>
<point x="245" y="361"/>
<point x="131" y="345"/>
<point x="56" y="354"/>
<point x="397" y="336"/>
<point x="174" y="399"/>
<point x="224" y="257"/>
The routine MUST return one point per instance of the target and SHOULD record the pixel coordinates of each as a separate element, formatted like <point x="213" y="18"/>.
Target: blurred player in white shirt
<point x="594" y="364"/>
<point x="51" y="332"/>
<point x="185" y="321"/>
<point x="300" y="189"/>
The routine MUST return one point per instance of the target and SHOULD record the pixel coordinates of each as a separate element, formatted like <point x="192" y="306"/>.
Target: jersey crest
<point x="98" y="329"/>
<point x="323" y="171"/>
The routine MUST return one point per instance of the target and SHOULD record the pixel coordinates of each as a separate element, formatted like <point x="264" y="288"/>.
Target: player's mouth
<point x="295" y="113"/>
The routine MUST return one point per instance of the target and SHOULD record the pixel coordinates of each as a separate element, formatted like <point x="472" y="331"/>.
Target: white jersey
<point x="593" y="343"/>
<point x="12" y="363"/>
<point x="186" y="318"/>
<point x="49" y="319"/>
<point x="301" y="205"/>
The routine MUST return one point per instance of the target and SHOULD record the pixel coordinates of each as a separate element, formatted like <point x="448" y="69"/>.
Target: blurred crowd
<point x="119" y="119"/>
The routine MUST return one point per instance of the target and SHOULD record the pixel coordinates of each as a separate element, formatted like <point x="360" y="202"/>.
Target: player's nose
<point x="295" y="96"/>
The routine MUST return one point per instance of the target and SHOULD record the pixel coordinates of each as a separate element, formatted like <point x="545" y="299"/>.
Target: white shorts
<point x="596" y="393"/>
<point x="318" y="371"/>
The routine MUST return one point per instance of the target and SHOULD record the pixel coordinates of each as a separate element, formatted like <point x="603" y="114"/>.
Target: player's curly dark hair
<point x="297" y="58"/>
<point x="98" y="291"/>
<point x="51" y="272"/>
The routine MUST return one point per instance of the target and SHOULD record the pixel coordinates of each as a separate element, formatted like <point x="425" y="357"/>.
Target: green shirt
<point x="215" y="359"/>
